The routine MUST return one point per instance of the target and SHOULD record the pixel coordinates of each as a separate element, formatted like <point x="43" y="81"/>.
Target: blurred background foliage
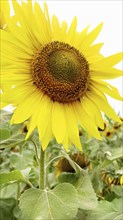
<point x="102" y="160"/>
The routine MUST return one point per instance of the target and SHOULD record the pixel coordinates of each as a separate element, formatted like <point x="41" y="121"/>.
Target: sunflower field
<point x="61" y="155"/>
<point x="79" y="185"/>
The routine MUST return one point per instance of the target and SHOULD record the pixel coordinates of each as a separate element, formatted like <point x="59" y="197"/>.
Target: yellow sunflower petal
<point x="91" y="37"/>
<point x="34" y="121"/>
<point x="22" y="16"/>
<point x="46" y="138"/>
<point x="26" y="108"/>
<point x="17" y="94"/>
<point x="81" y="36"/>
<point x="107" y="62"/>
<point x="48" y="19"/>
<point x="92" y="108"/>
<point x="44" y="117"/>
<point x="86" y="120"/>
<point x="108" y="89"/>
<point x="56" y="28"/>
<point x="32" y="124"/>
<point x="72" y="127"/>
<point x="99" y="99"/>
<point x="86" y="108"/>
<point x="19" y="13"/>
<point x="71" y="31"/>
<point x="4" y="12"/>
<point x="64" y="26"/>
<point x="58" y="121"/>
<point x="93" y="50"/>
<point x="95" y="58"/>
<point x="106" y="73"/>
<point x="41" y="21"/>
<point x="13" y="46"/>
<point x="27" y="8"/>
<point x="59" y="32"/>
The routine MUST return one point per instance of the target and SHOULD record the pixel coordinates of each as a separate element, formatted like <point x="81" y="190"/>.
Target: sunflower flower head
<point x="63" y="165"/>
<point x="55" y="75"/>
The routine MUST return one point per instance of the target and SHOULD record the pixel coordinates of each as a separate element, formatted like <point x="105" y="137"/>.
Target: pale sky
<point x="93" y="12"/>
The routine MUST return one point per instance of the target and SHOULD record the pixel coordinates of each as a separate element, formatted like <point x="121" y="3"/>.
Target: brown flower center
<point x="61" y="72"/>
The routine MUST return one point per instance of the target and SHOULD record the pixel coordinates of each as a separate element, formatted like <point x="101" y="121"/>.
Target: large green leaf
<point x="108" y="211"/>
<point x="87" y="196"/>
<point x="13" y="176"/>
<point x="59" y="203"/>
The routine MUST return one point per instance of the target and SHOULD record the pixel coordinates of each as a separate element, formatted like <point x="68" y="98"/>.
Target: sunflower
<point x="55" y="75"/>
<point x="63" y="165"/>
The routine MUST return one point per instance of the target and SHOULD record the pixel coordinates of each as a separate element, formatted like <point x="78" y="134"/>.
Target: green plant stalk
<point x="36" y="150"/>
<point x="42" y="175"/>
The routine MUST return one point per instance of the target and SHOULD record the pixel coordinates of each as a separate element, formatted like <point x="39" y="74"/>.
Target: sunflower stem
<point x="42" y="169"/>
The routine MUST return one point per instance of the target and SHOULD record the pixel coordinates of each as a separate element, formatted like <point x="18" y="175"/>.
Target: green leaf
<point x="6" y="208"/>
<point x="11" y="190"/>
<point x="107" y="211"/>
<point x="68" y="178"/>
<point x="59" y="203"/>
<point x="4" y="134"/>
<point x="118" y="190"/>
<point x="116" y="154"/>
<point x="80" y="215"/>
<point x="17" y="213"/>
<point x="12" y="140"/>
<point x="13" y="176"/>
<point x="87" y="196"/>
<point x="23" y="160"/>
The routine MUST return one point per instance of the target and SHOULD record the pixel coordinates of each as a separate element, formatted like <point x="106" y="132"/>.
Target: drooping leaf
<point x="68" y="178"/>
<point x="87" y="196"/>
<point x="59" y="203"/>
<point x="107" y="210"/>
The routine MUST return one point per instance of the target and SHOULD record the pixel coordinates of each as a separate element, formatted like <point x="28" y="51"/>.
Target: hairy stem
<point x="42" y="169"/>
